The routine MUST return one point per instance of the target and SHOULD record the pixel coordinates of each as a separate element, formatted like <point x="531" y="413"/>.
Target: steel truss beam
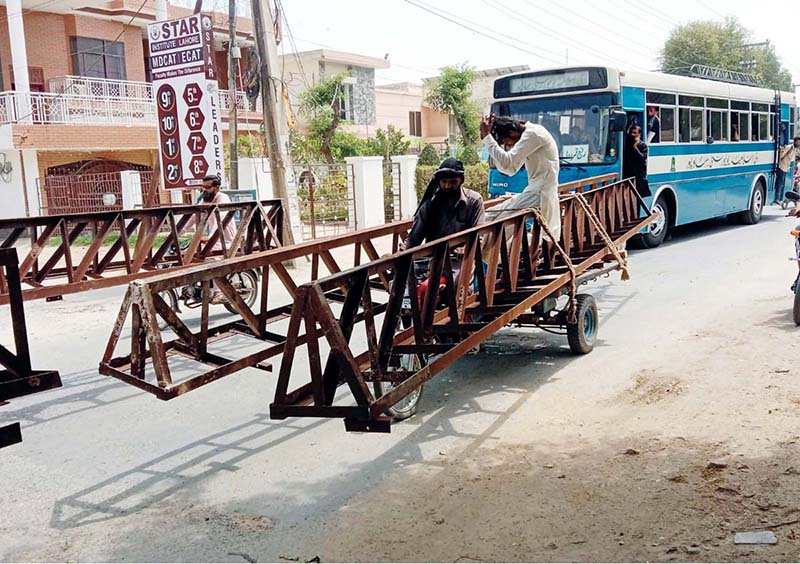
<point x="70" y="269"/>
<point x="147" y="365"/>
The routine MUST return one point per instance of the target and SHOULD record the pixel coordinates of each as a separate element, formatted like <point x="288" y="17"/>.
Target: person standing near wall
<point x="786" y="156"/>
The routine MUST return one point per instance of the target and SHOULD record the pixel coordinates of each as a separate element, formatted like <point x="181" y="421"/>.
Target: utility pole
<point x="233" y="181"/>
<point x="265" y="35"/>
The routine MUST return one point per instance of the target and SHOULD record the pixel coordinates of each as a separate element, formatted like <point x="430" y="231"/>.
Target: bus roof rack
<point x="724" y="75"/>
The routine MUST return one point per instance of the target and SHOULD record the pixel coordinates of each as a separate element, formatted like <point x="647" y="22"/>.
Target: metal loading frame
<point x="142" y="307"/>
<point x="68" y="270"/>
<point x="17" y="378"/>
<point x="522" y="268"/>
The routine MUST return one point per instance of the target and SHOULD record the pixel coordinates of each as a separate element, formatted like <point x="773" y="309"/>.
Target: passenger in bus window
<point x="734" y="132"/>
<point x="653" y="125"/>
<point x="531" y="145"/>
<point x="634" y="163"/>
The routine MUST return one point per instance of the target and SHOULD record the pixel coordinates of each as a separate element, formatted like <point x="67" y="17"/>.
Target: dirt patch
<point x="649" y="387"/>
<point x="508" y="504"/>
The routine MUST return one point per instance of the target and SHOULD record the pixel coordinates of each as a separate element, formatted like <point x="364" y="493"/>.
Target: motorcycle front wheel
<point x="246" y="284"/>
<point x="796" y="308"/>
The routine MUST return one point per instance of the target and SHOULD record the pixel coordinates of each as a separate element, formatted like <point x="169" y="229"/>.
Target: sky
<point x="624" y="33"/>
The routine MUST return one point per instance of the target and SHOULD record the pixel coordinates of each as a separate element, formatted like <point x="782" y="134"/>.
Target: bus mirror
<point x="617" y="121"/>
<point x="710" y="140"/>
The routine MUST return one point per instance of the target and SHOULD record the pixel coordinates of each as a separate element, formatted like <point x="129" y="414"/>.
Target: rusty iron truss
<point x="53" y="264"/>
<point x="507" y="268"/>
<point x="17" y="378"/>
<point x="151" y="358"/>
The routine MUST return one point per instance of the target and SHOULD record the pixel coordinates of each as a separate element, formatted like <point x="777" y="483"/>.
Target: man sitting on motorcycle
<point x="446" y="208"/>
<point x="211" y="194"/>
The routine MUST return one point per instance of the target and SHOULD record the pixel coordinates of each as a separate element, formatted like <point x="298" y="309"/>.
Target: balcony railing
<point x="46" y="107"/>
<point x="94" y="101"/>
<point x="86" y="86"/>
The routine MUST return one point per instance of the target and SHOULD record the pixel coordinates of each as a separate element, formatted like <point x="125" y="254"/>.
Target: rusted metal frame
<point x="450" y="291"/>
<point x="492" y="248"/>
<point x="238" y="303"/>
<point x="402" y="269"/>
<point x="176" y="324"/>
<point x="338" y="334"/>
<point x="192" y="274"/>
<point x="505" y="267"/>
<point x="593" y="182"/>
<point x="275" y="232"/>
<point x="63" y="250"/>
<point x="468" y="267"/>
<point x="431" y="298"/>
<point x="372" y="336"/>
<point x="125" y="232"/>
<point x="290" y="348"/>
<point x="380" y="405"/>
<point x="18" y="378"/>
<point x="515" y="251"/>
<point x="244" y="226"/>
<point x="144" y="243"/>
<point x="36" y="249"/>
<point x="170" y="239"/>
<point x="90" y="257"/>
<point x="138" y="340"/>
<point x="13" y="237"/>
<point x="338" y="337"/>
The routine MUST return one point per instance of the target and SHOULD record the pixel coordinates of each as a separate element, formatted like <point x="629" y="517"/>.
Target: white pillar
<point x="367" y="190"/>
<point x="30" y="161"/>
<point x="408" y="184"/>
<point x="131" y="182"/>
<point x="161" y="12"/>
<point x="19" y="60"/>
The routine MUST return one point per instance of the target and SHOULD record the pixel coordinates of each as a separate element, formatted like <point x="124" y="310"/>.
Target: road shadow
<point x="96" y="391"/>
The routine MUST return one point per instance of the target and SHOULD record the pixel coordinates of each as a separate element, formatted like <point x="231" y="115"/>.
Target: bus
<point x="714" y="155"/>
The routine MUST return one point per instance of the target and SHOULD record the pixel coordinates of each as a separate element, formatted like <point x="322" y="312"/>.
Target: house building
<point x="86" y="108"/>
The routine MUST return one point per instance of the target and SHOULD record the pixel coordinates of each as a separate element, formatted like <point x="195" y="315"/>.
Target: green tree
<point x="722" y="45"/>
<point x="450" y="93"/>
<point x="321" y="104"/>
<point x="429" y="156"/>
<point x="387" y="143"/>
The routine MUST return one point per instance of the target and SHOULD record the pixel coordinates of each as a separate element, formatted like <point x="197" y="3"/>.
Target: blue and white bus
<point x="715" y="153"/>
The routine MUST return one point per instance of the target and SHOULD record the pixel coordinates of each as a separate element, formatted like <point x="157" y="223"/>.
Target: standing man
<point x="786" y="156"/>
<point x="653" y="125"/>
<point x="531" y="145"/>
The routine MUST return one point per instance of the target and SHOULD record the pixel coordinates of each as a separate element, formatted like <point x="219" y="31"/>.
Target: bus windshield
<point x="579" y="124"/>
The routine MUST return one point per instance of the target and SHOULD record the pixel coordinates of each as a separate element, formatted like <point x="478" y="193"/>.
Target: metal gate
<point x="326" y="199"/>
<point x="391" y="191"/>
<point x="83" y="193"/>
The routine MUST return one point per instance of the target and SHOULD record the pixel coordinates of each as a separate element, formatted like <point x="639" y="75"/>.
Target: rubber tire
<point x="582" y="335"/>
<point x="752" y="215"/>
<point x="796" y="307"/>
<point x="249" y="280"/>
<point x="403" y="412"/>
<point x="170" y="297"/>
<point x="649" y="240"/>
<point x="406" y="408"/>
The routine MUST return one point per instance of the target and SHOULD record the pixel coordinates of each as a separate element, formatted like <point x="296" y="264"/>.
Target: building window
<point x="415" y="124"/>
<point x="98" y="58"/>
<point x="346" y="103"/>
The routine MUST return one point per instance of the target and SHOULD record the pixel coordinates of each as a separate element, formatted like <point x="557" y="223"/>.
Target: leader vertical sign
<point x="187" y="96"/>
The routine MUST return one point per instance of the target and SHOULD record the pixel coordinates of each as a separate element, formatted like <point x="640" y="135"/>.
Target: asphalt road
<point x="107" y="472"/>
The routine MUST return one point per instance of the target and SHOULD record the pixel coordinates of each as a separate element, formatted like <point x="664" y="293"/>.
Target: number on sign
<point x="197" y="167"/>
<point x="171" y="147"/>
<point x="173" y="172"/>
<point x="166" y="98"/>
<point x="168" y="124"/>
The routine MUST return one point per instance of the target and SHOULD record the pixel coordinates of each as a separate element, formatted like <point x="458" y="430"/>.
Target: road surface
<point x="679" y="430"/>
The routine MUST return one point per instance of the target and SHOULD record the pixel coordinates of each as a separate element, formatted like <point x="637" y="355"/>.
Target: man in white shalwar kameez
<point x="531" y="145"/>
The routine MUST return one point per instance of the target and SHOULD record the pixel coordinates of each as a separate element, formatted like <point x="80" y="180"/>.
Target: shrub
<point x="476" y="177"/>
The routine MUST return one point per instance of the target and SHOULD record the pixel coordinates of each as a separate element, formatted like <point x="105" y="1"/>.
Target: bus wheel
<point x="752" y="215"/>
<point x="658" y="229"/>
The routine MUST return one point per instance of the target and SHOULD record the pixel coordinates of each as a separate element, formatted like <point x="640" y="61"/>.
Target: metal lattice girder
<point x="17" y="378"/>
<point x="147" y="364"/>
<point x="507" y="267"/>
<point x="53" y="264"/>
